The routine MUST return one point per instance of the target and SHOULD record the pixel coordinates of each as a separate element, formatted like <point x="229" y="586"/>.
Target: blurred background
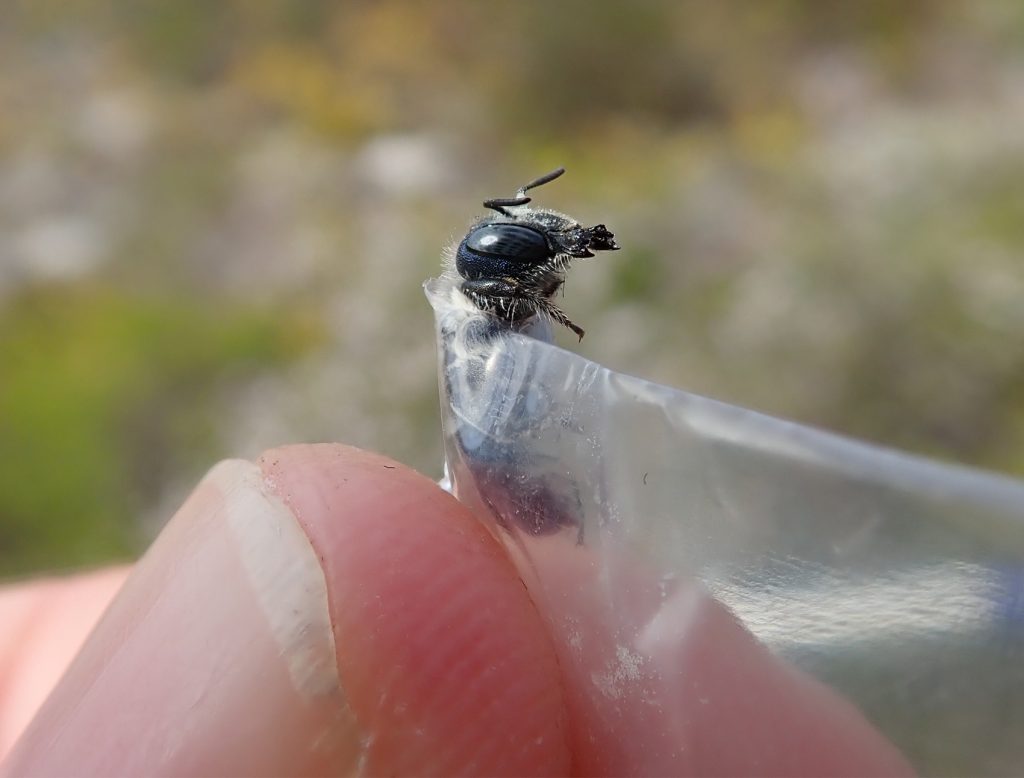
<point x="215" y="219"/>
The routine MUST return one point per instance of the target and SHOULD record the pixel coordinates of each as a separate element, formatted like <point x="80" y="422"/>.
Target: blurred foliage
<point x="214" y="218"/>
<point x="102" y="393"/>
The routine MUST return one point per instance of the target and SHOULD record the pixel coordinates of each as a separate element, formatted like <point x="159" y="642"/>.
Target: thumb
<point x="324" y="611"/>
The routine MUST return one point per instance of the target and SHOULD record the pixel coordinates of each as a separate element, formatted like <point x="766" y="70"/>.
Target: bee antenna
<point x="545" y="179"/>
<point x="500" y="203"/>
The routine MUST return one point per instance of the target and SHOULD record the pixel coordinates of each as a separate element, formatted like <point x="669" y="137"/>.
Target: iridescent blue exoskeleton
<point x="514" y="263"/>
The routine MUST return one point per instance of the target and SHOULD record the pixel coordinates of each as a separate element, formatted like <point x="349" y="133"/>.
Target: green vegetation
<point x="105" y="395"/>
<point x="215" y="218"/>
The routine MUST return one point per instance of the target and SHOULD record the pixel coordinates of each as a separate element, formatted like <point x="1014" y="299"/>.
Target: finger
<point x="331" y="613"/>
<point x="440" y="650"/>
<point x="662" y="680"/>
<point x="43" y="623"/>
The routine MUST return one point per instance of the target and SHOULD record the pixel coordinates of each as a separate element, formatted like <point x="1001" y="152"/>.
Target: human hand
<point x="328" y="611"/>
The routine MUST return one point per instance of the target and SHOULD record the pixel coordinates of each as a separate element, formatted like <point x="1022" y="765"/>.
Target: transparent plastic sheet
<point x="896" y="581"/>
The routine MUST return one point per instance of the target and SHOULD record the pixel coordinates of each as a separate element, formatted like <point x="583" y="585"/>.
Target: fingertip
<point x="325" y="611"/>
<point x="215" y="657"/>
<point x="441" y="653"/>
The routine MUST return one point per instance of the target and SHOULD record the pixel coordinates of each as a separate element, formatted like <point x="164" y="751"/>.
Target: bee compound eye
<point x="514" y="242"/>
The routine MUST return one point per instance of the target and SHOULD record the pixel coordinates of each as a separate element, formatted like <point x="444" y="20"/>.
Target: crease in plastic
<point x="895" y="580"/>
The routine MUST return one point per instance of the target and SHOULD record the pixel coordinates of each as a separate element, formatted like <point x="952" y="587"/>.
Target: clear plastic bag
<point x="896" y="581"/>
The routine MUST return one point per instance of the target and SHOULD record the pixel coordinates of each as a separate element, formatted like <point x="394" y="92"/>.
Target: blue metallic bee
<point x="503" y="441"/>
<point x="515" y="262"/>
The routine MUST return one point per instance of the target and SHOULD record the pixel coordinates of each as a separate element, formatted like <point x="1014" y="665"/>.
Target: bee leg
<point x="489" y="287"/>
<point x="491" y="294"/>
<point x="557" y="314"/>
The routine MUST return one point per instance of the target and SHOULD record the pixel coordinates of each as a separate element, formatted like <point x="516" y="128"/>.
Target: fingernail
<point x="216" y="657"/>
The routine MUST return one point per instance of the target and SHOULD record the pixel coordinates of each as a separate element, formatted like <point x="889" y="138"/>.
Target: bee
<point x="513" y="263"/>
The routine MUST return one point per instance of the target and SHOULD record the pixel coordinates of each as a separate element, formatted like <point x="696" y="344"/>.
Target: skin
<point x="364" y="622"/>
